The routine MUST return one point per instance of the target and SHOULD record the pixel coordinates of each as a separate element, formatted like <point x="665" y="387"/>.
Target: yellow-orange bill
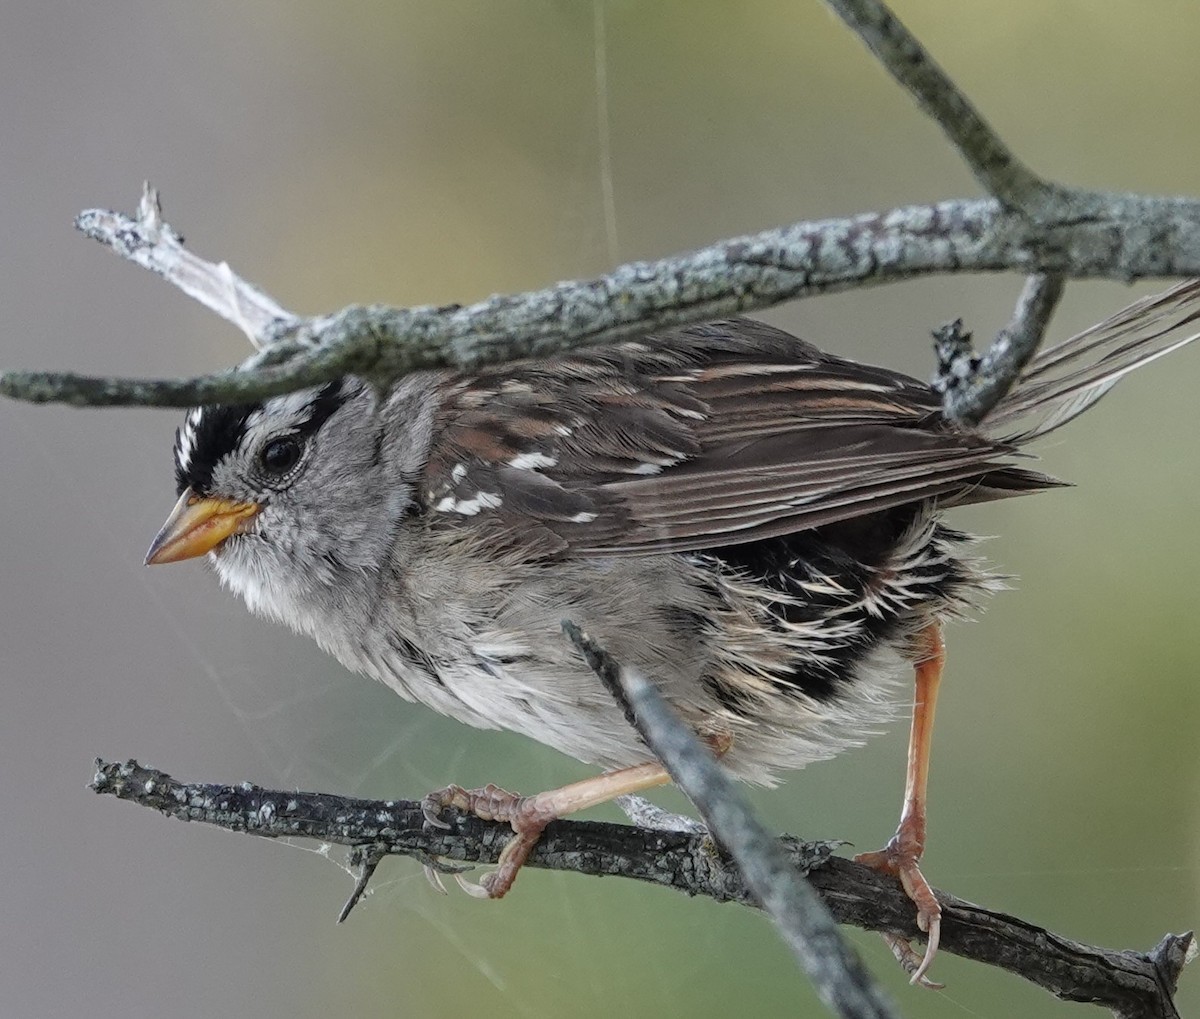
<point x="198" y="525"/>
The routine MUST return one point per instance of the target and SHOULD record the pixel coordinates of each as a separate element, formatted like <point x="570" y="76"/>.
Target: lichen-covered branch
<point x="1130" y="983"/>
<point x="1091" y="235"/>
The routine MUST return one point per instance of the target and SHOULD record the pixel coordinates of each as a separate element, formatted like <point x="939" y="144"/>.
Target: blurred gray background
<point x="429" y="152"/>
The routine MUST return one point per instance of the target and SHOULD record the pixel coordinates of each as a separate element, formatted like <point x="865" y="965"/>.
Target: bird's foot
<point x="527" y="815"/>
<point x="900" y="858"/>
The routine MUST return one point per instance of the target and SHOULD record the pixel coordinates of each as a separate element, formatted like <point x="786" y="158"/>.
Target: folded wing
<point x="711" y="435"/>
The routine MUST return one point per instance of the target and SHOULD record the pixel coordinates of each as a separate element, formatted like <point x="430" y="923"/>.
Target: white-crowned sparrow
<point x="753" y="523"/>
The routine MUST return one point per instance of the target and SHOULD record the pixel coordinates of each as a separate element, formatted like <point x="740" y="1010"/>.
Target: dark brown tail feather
<point x="1063" y="381"/>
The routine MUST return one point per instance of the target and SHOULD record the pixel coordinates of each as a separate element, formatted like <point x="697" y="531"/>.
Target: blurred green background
<point x="434" y="152"/>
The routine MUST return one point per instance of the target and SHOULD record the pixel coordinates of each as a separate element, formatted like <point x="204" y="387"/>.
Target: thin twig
<point x="147" y="240"/>
<point x="991" y="161"/>
<point x="366" y="858"/>
<point x="971" y="386"/>
<point x="806" y="926"/>
<point x="1129" y="982"/>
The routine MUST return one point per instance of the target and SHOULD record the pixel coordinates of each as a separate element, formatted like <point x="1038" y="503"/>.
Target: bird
<point x="753" y="523"/>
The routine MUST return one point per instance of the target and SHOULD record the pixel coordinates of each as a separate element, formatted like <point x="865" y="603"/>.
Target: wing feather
<point x="707" y="436"/>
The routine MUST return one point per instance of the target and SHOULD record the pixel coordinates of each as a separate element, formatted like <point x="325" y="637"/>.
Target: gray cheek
<point x="274" y="533"/>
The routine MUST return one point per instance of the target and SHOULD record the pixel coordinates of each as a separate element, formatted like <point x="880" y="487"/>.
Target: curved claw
<point x="434" y="878"/>
<point x="899" y="858"/>
<point x="431" y="808"/>
<point x="912" y="963"/>
<point x="933" y="928"/>
<point x="477" y="891"/>
<point x="929" y="915"/>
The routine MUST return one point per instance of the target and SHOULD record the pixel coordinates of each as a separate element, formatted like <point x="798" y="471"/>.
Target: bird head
<point x="285" y="495"/>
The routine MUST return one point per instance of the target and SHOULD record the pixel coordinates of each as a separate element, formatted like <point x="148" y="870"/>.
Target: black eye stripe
<point x="219" y="432"/>
<point x="326" y="403"/>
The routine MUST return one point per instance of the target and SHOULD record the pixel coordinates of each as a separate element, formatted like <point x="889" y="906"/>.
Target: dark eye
<point x="280" y="455"/>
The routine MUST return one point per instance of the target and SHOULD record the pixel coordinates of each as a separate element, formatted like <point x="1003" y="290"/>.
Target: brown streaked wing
<point x="726" y="432"/>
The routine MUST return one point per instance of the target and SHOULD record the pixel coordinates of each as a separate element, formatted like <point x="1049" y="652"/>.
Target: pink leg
<point x="529" y="815"/>
<point x="902" y="855"/>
